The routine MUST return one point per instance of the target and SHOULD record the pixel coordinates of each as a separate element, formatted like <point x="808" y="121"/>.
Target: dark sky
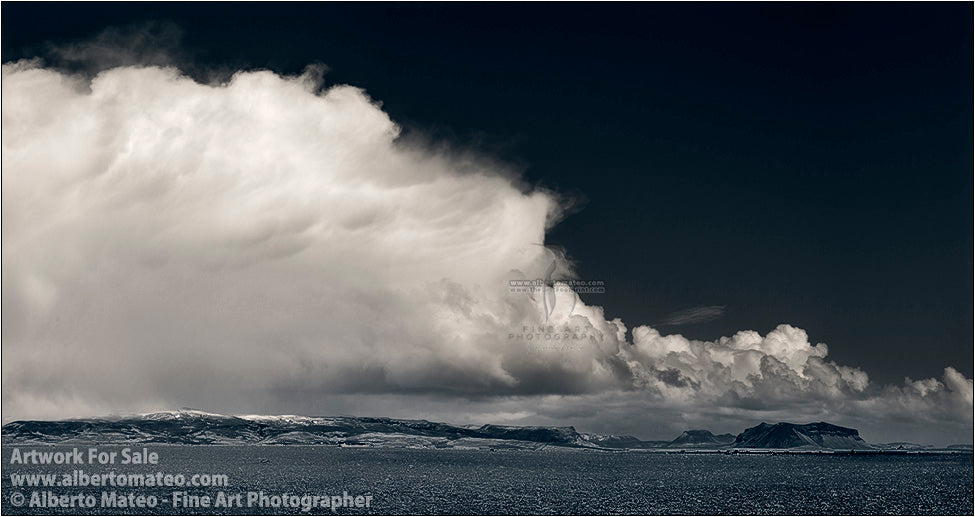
<point x="805" y="163"/>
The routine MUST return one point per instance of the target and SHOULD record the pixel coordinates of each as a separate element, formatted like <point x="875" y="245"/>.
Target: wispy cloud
<point x="700" y="314"/>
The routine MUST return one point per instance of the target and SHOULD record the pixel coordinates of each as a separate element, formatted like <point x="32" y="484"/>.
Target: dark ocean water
<point x="408" y="481"/>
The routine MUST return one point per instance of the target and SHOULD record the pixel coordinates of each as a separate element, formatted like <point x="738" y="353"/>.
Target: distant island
<point x="193" y="427"/>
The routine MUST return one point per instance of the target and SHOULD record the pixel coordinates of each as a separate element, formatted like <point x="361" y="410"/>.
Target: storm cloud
<point x="269" y="244"/>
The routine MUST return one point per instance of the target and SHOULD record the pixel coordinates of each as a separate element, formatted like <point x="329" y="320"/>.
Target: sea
<point x="320" y="480"/>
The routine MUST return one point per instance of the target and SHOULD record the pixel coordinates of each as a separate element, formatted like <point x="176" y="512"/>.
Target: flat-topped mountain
<point x="783" y="435"/>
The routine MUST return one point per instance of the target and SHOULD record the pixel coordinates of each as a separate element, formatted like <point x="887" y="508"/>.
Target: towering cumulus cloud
<point x="269" y="245"/>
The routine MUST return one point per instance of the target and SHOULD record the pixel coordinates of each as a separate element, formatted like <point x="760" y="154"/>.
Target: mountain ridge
<point x="193" y="427"/>
<point x="701" y="438"/>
